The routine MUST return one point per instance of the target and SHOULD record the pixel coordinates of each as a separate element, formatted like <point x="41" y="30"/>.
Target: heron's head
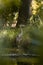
<point x="22" y="26"/>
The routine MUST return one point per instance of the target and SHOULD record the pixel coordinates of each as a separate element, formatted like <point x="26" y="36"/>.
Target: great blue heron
<point x="19" y="36"/>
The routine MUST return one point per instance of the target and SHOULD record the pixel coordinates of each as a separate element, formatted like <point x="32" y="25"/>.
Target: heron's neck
<point x="21" y="30"/>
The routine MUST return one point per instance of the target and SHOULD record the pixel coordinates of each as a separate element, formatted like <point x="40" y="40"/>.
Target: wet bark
<point x="24" y="12"/>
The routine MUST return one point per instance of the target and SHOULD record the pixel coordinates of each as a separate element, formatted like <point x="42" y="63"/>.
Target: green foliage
<point x="32" y="33"/>
<point x="9" y="7"/>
